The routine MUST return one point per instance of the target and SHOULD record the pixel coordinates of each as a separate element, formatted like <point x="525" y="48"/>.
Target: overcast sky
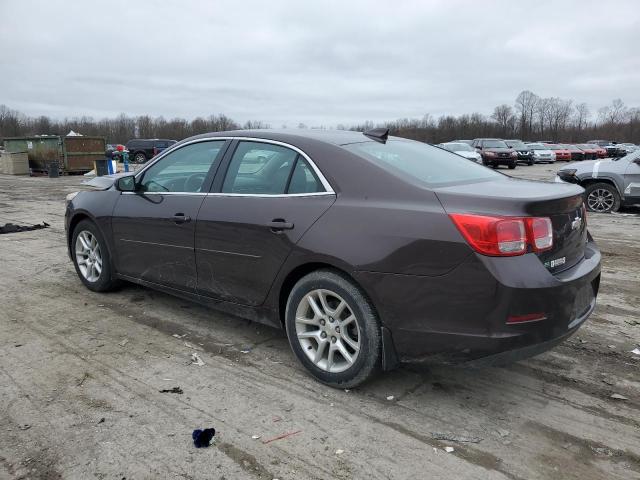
<point x="317" y="62"/>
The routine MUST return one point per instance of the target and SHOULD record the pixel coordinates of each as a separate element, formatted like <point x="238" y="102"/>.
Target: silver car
<point x="462" y="149"/>
<point x="542" y="153"/>
<point x="609" y="183"/>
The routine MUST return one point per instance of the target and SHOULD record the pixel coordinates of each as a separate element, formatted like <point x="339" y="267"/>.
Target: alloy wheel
<point x="88" y="256"/>
<point x="328" y="330"/>
<point x="600" y="200"/>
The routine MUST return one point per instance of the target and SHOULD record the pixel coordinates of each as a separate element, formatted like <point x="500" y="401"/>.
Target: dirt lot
<point x="80" y="376"/>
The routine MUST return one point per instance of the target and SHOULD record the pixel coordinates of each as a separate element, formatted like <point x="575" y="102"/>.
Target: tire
<point x="512" y="166"/>
<point x="86" y="234"/>
<point x="531" y="162"/>
<point x="329" y="289"/>
<point x="602" y="198"/>
<point x="139" y="158"/>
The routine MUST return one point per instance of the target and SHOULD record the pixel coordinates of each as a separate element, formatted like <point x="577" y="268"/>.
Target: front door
<point x="154" y="227"/>
<point x="270" y="196"/>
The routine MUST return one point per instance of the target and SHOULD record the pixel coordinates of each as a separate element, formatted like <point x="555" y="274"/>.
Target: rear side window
<point x="162" y="144"/>
<point x="304" y="179"/>
<point x="259" y="169"/>
<point x="428" y="165"/>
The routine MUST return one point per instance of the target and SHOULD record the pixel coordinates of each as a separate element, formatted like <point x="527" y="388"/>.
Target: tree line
<point x="531" y="117"/>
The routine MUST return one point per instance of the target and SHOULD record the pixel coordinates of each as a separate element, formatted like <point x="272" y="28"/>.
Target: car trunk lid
<point x="509" y="197"/>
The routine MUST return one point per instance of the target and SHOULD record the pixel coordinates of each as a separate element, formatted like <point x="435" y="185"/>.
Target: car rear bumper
<point x="462" y="316"/>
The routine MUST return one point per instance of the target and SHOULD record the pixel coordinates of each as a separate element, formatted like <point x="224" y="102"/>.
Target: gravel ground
<point x="81" y="375"/>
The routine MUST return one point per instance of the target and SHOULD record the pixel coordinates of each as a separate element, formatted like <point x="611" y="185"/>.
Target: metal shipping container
<point x="74" y="154"/>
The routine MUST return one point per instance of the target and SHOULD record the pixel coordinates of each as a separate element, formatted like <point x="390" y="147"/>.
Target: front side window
<point x="259" y="169"/>
<point x="421" y="162"/>
<point x="183" y="170"/>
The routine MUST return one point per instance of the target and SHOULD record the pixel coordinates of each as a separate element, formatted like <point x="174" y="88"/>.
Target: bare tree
<point x="526" y="106"/>
<point x="504" y="117"/>
<point x="581" y="116"/>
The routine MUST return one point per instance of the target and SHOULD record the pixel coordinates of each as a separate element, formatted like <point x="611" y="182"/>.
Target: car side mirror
<point x="126" y="184"/>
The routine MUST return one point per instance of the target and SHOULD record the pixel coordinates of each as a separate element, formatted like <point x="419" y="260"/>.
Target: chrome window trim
<point x="325" y="183"/>
<point x="221" y="194"/>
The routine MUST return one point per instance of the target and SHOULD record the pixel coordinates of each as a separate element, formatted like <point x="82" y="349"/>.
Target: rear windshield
<point x="429" y="165"/>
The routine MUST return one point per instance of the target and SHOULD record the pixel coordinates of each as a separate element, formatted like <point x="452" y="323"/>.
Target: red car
<point x="600" y="152"/>
<point x="590" y="152"/>
<point x="561" y="152"/>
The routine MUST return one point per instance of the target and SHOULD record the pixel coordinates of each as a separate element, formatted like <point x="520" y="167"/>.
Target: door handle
<point x="181" y="218"/>
<point x="279" y="224"/>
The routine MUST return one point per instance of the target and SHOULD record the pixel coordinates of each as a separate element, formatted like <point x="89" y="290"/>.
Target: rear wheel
<point x="139" y="157"/>
<point x="333" y="329"/>
<point x="91" y="257"/>
<point x="602" y="198"/>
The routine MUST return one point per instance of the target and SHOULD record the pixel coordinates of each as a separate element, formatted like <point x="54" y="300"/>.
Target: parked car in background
<point x="562" y="154"/>
<point x="542" y="153"/>
<point x="525" y="154"/>
<point x="141" y="150"/>
<point x="628" y="147"/>
<point x="609" y="184"/>
<point x="601" y="143"/>
<point x="590" y="153"/>
<point x="436" y="257"/>
<point x="495" y="152"/>
<point x="577" y="155"/>
<point x="463" y="149"/>
<point x="601" y="152"/>
<point x="614" y="151"/>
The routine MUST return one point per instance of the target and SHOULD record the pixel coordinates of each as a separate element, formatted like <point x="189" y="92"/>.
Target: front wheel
<point x="602" y="198"/>
<point x="512" y="166"/>
<point x="91" y="257"/>
<point x="333" y="329"/>
<point x="530" y="162"/>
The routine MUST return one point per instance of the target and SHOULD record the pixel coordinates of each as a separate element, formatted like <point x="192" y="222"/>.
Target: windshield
<point x="518" y="145"/>
<point x="494" y="144"/>
<point x="458" y="147"/>
<point x="428" y="165"/>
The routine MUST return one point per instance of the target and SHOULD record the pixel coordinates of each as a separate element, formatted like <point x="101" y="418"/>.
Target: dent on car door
<point x="271" y="195"/>
<point x="153" y="227"/>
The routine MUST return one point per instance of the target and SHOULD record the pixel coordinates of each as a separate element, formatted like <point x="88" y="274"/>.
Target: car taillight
<point x="504" y="236"/>
<point x="541" y="233"/>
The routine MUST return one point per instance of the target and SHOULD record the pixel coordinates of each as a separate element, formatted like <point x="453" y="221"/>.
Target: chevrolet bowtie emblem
<point x="576" y="223"/>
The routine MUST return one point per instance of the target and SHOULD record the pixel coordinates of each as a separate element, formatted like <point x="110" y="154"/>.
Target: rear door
<point x="270" y="195"/>
<point x="154" y="227"/>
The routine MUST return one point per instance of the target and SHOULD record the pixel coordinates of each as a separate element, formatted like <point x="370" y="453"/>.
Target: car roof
<point x="335" y="137"/>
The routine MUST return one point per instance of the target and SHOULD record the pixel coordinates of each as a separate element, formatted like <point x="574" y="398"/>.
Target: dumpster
<point x="74" y="154"/>
<point x="40" y="150"/>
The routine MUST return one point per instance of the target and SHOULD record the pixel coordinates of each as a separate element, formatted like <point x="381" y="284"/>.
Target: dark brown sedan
<point x="368" y="250"/>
